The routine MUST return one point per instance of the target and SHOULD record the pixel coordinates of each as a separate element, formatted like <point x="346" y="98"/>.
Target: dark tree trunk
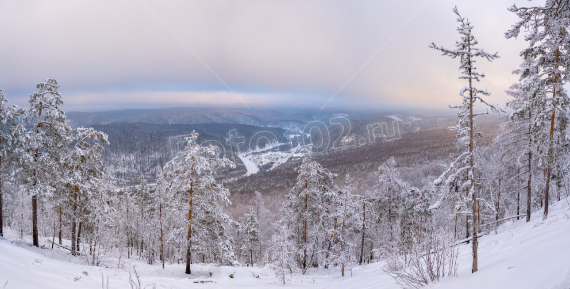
<point x="547" y="193"/>
<point x="1" y="205"/>
<point x="188" y="249"/>
<point x="188" y="252"/>
<point x="35" y="221"/>
<point x="79" y="236"/>
<point x="518" y="193"/>
<point x="74" y="223"/>
<point x="363" y="229"/>
<point x="73" y="239"/>
<point x="1" y="213"/>
<point x="552" y="122"/>
<point x="529" y="190"/>
<point x="59" y="233"/>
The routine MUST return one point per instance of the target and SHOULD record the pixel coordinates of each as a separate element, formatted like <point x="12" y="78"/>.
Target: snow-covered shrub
<point x="428" y="261"/>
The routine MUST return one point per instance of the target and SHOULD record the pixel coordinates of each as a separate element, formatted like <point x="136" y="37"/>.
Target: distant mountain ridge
<point x="282" y="117"/>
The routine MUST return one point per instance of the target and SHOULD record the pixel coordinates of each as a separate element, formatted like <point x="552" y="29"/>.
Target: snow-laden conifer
<point x="462" y="171"/>
<point x="45" y="146"/>
<point x="199" y="199"/>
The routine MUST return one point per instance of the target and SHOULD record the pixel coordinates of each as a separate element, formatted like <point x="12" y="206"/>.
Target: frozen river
<point x="250" y="166"/>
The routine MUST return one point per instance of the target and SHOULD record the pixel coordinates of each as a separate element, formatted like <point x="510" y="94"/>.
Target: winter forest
<point x="59" y="195"/>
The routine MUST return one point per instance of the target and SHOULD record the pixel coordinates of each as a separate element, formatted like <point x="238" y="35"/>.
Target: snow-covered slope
<point x="522" y="255"/>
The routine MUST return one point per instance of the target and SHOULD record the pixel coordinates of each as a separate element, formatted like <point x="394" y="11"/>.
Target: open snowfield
<point x="522" y="255"/>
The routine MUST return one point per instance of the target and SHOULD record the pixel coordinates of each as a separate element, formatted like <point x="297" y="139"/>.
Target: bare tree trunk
<point x="455" y="231"/>
<point x="552" y="122"/>
<point x="59" y="233"/>
<point x="363" y="228"/>
<point x="161" y="236"/>
<point x="518" y="193"/>
<point x="529" y="190"/>
<point x="128" y="239"/>
<point x="498" y="207"/>
<point x="305" y="229"/>
<point x="79" y="236"/>
<point x="1" y="212"/>
<point x="53" y="238"/>
<point x="74" y="222"/>
<point x="472" y="163"/>
<point x="558" y="172"/>
<point x="188" y="249"/>
<point x="467" y="227"/>
<point x="1" y="204"/>
<point x="35" y="220"/>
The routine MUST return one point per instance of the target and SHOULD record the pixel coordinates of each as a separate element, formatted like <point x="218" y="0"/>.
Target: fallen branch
<point x="64" y="247"/>
<point x="468" y="239"/>
<point x="523" y="215"/>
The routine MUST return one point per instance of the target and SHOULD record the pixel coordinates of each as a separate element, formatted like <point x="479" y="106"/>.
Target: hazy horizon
<point x="109" y="55"/>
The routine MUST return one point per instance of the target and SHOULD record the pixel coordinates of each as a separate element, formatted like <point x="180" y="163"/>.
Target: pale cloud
<point x="117" y="54"/>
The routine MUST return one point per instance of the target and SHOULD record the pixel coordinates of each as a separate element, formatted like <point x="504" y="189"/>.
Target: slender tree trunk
<point x="529" y="190"/>
<point x="35" y="220"/>
<point x="552" y="122"/>
<point x="363" y="229"/>
<point x="161" y="236"/>
<point x="467" y="227"/>
<point x="127" y="228"/>
<point x="1" y="204"/>
<point x="455" y="231"/>
<point x="518" y="193"/>
<point x="467" y="216"/>
<point x="53" y="237"/>
<point x="305" y="228"/>
<point x="188" y="249"/>
<point x="472" y="163"/>
<point x="59" y="233"/>
<point x="74" y="222"/>
<point x="498" y="207"/>
<point x="34" y="197"/>
<point x="1" y="212"/>
<point x="558" y="172"/>
<point x="79" y="236"/>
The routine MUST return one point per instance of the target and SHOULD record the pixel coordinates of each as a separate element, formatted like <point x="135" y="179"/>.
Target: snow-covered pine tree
<point x="308" y="209"/>
<point x="160" y="198"/>
<point x="84" y="168"/>
<point x="251" y="237"/>
<point x="282" y="250"/>
<point x="388" y="198"/>
<point x="414" y="214"/>
<point x="346" y="220"/>
<point x="45" y="145"/>
<point x="197" y="195"/>
<point x="266" y="224"/>
<point x="549" y="46"/>
<point x="11" y="139"/>
<point x="518" y="134"/>
<point x="464" y="165"/>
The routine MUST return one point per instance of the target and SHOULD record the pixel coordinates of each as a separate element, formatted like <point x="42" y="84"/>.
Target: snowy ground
<point x="521" y="255"/>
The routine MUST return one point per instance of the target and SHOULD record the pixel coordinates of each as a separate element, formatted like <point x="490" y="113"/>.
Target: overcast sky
<point x="115" y="54"/>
